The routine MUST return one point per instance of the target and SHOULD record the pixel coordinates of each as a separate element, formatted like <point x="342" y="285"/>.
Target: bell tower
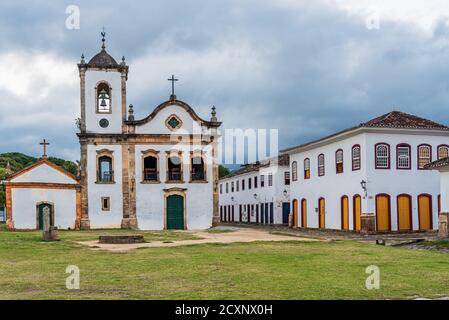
<point x="103" y="93"/>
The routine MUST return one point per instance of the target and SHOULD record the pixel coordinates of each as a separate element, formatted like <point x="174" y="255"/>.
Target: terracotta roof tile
<point x="437" y="164"/>
<point x="103" y="60"/>
<point x="398" y="119"/>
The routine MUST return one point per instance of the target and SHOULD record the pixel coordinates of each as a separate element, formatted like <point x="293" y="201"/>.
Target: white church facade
<point x="155" y="173"/>
<point x="370" y="177"/>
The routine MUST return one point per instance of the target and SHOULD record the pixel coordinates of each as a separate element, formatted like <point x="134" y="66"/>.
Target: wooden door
<point x="295" y="213"/>
<point x="321" y="213"/>
<point x="357" y="210"/>
<point x="175" y="212"/>
<point x="345" y="213"/>
<point x="404" y="212"/>
<point x="425" y="212"/>
<point x="383" y="213"/>
<point x="304" y="213"/>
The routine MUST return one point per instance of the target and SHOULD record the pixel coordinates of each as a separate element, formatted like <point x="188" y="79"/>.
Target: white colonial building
<point x="257" y="193"/>
<point x="370" y="177"/>
<point x="159" y="172"/>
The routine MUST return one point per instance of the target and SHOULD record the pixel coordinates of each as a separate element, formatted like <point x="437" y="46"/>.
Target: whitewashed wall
<point x="98" y="217"/>
<point x="93" y="118"/>
<point x="24" y="203"/>
<point x="151" y="197"/>
<point x="44" y="174"/>
<point x="393" y="182"/>
<point x="267" y="194"/>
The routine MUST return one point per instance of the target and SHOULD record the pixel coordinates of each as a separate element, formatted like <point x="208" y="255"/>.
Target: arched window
<point x="294" y="171"/>
<point x="150" y="170"/>
<point x="424" y="155"/>
<point x="198" y="169"/>
<point x="356" y="161"/>
<point x="443" y="151"/>
<point x="321" y="168"/>
<point x="382" y="153"/>
<point x="403" y="156"/>
<point x="105" y="172"/>
<point x="339" y="161"/>
<point x="307" y="168"/>
<point x="174" y="168"/>
<point x="103" y="98"/>
<point x="232" y="186"/>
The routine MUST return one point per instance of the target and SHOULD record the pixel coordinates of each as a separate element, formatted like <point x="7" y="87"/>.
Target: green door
<point x="175" y="212"/>
<point x="42" y="207"/>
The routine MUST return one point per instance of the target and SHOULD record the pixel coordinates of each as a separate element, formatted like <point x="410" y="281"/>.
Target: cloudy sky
<point x="308" y="68"/>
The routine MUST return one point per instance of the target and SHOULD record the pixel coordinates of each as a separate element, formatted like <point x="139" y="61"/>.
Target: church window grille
<point x="424" y="155"/>
<point x="382" y="156"/>
<point x="321" y="167"/>
<point x="339" y="161"/>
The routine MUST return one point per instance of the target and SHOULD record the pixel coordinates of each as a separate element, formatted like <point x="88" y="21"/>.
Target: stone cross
<point x="173" y="80"/>
<point x="45" y="144"/>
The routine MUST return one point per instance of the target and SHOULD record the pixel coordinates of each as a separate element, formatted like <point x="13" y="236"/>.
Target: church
<point x="155" y="173"/>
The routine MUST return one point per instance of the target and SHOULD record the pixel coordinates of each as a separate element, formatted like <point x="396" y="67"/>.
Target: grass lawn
<point x="32" y="269"/>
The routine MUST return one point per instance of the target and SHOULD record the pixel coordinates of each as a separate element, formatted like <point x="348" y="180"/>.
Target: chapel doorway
<point x="43" y="208"/>
<point x="175" y="212"/>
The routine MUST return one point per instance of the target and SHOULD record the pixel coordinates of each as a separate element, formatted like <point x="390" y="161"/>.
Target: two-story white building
<point x="257" y="193"/>
<point x="370" y="177"/>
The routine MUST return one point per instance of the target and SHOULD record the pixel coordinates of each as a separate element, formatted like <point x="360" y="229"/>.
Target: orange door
<point x="321" y="213"/>
<point x="425" y="212"/>
<point x="304" y="213"/>
<point x="404" y="212"/>
<point x="344" y="213"/>
<point x="295" y="213"/>
<point x="357" y="212"/>
<point x="383" y="213"/>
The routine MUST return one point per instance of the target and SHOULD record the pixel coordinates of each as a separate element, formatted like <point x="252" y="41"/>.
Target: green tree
<point x="223" y="171"/>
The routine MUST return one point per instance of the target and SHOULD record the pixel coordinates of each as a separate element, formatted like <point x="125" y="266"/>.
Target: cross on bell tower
<point x="44" y="143"/>
<point x="173" y="80"/>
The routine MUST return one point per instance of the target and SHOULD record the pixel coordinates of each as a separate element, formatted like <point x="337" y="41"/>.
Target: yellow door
<point x="295" y="213"/>
<point x="321" y="215"/>
<point x="304" y="213"/>
<point x="425" y="212"/>
<point x="357" y="212"/>
<point x="344" y="213"/>
<point x="404" y="212"/>
<point x="383" y="213"/>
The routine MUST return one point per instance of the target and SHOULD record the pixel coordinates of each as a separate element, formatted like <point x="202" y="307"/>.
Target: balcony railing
<point x="105" y="176"/>
<point x="174" y="175"/>
<point x="150" y="174"/>
<point x="197" y="176"/>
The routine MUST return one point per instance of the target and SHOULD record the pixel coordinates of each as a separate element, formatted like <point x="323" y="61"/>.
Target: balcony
<point x="150" y="175"/>
<point x="105" y="177"/>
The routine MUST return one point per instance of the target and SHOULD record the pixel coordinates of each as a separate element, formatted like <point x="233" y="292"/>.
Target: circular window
<point x="104" y="123"/>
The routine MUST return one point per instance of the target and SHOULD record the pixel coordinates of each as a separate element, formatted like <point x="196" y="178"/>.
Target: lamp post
<point x="363" y="185"/>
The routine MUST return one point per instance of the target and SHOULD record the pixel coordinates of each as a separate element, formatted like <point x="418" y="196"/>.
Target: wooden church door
<point x="175" y="212"/>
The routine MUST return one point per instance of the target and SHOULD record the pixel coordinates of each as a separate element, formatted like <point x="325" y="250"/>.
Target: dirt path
<point x="238" y="235"/>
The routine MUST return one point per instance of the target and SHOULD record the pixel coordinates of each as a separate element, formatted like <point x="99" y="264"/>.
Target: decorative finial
<point x="103" y="35"/>
<point x="173" y="80"/>
<point x="214" y="114"/>
<point x="123" y="61"/>
<point x="131" y="113"/>
<point x="82" y="59"/>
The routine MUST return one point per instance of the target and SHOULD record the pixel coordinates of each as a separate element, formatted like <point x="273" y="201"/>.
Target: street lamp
<point x="363" y="185"/>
